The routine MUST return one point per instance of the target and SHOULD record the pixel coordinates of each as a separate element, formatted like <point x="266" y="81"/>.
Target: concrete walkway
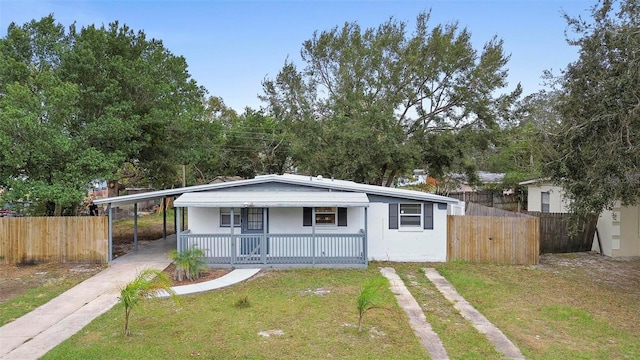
<point x="34" y="334"/>
<point x="418" y="322"/>
<point x="484" y="326"/>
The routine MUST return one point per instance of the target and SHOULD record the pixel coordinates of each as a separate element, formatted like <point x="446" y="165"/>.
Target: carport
<point x="135" y="199"/>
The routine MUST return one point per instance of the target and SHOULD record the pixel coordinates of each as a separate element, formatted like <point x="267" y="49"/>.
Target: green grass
<point x="146" y="221"/>
<point x="211" y="326"/>
<point x="556" y="313"/>
<point x="459" y="337"/>
<point x="550" y="312"/>
<point x="35" y="297"/>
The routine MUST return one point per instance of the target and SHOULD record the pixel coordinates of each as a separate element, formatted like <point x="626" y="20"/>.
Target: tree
<point x="254" y="144"/>
<point x="39" y="155"/>
<point x="79" y="106"/>
<point x="137" y="102"/>
<point x="148" y="282"/>
<point x="595" y="148"/>
<point x="370" y="298"/>
<point x="367" y="102"/>
<point x="521" y="146"/>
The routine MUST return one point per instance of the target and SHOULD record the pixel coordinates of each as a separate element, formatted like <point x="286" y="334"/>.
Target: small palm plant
<point x="369" y="298"/>
<point x="147" y="283"/>
<point x="189" y="263"/>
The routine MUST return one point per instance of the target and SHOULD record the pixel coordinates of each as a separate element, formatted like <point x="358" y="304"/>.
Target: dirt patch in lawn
<point x="622" y="274"/>
<point x="16" y="280"/>
<point x="205" y="275"/>
<point x="123" y="239"/>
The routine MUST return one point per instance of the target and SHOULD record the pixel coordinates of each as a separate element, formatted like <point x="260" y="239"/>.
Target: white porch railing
<point x="279" y="249"/>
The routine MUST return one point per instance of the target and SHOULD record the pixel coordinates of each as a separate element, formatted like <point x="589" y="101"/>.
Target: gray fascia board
<point x="324" y="183"/>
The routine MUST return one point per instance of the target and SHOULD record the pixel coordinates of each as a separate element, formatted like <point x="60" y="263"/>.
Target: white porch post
<point x="178" y="227"/>
<point x="366" y="237"/>
<point x="233" y="241"/>
<point x="263" y="240"/>
<point x="313" y="234"/>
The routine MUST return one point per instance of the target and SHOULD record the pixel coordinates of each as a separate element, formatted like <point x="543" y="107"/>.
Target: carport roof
<point x="266" y="199"/>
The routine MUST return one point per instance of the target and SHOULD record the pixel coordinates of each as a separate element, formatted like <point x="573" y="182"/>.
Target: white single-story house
<point x="619" y="228"/>
<point x="294" y="220"/>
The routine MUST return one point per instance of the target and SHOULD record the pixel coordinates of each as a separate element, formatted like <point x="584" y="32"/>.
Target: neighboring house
<point x="485" y="177"/>
<point x="544" y="196"/>
<point x="619" y="228"/>
<point x="294" y="220"/>
<point x="421" y="177"/>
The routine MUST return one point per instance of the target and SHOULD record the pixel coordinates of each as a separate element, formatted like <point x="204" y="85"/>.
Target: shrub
<point x="189" y="263"/>
<point x="147" y="283"/>
<point x="369" y="298"/>
<point x="243" y="302"/>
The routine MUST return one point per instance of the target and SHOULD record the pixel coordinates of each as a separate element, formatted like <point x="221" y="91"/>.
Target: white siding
<point x="416" y="245"/>
<point x="406" y="245"/>
<point x="281" y="221"/>
<point x="289" y="221"/>
<point x="557" y="201"/>
<point x="610" y="223"/>
<point x="206" y="221"/>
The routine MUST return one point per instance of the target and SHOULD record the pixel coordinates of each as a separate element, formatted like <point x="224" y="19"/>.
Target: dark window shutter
<point x="342" y="216"/>
<point x="306" y="216"/>
<point x="428" y="215"/>
<point x="393" y="216"/>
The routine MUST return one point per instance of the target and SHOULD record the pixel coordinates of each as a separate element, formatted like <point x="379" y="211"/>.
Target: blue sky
<point x="231" y="46"/>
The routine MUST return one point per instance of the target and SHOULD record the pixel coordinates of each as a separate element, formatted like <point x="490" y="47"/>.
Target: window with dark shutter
<point x="306" y="216"/>
<point x="393" y="216"/>
<point x="428" y="215"/>
<point x="342" y="216"/>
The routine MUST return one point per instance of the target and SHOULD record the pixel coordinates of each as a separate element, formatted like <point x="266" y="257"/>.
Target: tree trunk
<point x="113" y="188"/>
<point x="50" y="208"/>
<point x="127" y="311"/>
<point x="390" y="179"/>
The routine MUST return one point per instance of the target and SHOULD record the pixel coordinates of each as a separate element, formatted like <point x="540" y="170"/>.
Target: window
<point x="410" y="215"/>
<point x="326" y="215"/>
<point x="254" y="219"/>
<point x="225" y="217"/>
<point x="544" y="202"/>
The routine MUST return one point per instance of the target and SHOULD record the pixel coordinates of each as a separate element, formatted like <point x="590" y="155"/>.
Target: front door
<point x="252" y="223"/>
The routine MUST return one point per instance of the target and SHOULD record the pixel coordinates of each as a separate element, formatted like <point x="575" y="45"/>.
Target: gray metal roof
<point x="272" y="199"/>
<point x="308" y="181"/>
<point x="536" y="181"/>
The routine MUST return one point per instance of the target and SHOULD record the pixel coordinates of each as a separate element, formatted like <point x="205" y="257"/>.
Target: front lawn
<point x="313" y="308"/>
<point x="570" y="307"/>
<point x="24" y="288"/>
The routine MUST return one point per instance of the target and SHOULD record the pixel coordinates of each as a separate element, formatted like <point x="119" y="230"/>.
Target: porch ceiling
<point x="266" y="199"/>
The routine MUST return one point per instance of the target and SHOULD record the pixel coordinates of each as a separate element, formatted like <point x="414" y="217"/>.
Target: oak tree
<point x="596" y="153"/>
<point x="367" y="102"/>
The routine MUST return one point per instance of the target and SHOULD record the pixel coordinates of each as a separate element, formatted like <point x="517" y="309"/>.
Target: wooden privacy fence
<point x="564" y="233"/>
<point x="54" y="239"/>
<point x="505" y="240"/>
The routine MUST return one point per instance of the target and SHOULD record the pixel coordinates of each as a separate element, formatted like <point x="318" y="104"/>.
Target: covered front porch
<point x="276" y="228"/>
